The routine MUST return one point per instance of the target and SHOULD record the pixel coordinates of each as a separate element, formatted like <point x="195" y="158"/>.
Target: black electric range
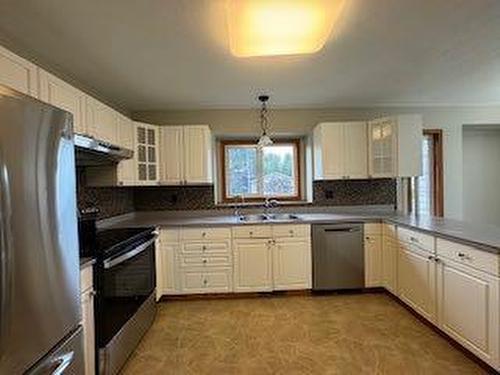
<point x="125" y="282"/>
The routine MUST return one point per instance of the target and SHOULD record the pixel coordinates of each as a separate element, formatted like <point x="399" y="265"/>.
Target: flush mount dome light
<point x="280" y="27"/>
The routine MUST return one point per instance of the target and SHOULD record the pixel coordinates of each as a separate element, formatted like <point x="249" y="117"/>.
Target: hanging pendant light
<point x="264" y="139"/>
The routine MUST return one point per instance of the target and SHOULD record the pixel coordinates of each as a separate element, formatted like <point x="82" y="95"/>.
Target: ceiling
<point x="173" y="54"/>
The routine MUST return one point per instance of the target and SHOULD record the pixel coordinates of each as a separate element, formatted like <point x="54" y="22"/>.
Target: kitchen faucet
<point x="269" y="204"/>
<point x="237" y="207"/>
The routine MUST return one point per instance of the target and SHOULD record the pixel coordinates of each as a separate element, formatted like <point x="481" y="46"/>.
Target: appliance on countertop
<point x="125" y="283"/>
<point x="338" y="256"/>
<point x="40" y="313"/>
<point x="94" y="152"/>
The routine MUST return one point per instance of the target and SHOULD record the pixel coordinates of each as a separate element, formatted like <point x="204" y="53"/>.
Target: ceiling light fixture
<point x="264" y="139"/>
<point x="280" y="27"/>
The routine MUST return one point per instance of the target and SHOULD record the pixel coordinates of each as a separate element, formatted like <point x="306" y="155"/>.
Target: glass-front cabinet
<point x="146" y="143"/>
<point x="383" y="148"/>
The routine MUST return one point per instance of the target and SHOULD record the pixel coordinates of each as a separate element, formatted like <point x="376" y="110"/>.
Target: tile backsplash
<point x="174" y="198"/>
<point x="111" y="201"/>
<point x="355" y="192"/>
<point x="120" y="200"/>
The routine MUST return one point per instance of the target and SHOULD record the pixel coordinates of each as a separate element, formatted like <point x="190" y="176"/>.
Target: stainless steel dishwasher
<point x="338" y="256"/>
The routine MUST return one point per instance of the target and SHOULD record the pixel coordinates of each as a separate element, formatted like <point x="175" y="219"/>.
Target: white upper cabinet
<point x="395" y="146"/>
<point x="17" y="73"/>
<point x="197" y="154"/>
<point x="126" y="173"/>
<point x="172" y="155"/>
<point x="146" y="153"/>
<point x="102" y="121"/>
<point x="186" y="155"/>
<point x="340" y="151"/>
<point x="60" y="94"/>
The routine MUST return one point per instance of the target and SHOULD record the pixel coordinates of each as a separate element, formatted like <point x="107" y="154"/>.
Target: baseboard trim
<point x="485" y="366"/>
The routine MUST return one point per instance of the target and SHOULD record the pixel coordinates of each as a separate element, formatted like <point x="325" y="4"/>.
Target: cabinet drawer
<point x="252" y="231"/>
<point x="280" y="231"/>
<point x="205" y="233"/>
<point x="86" y="276"/>
<point x="373" y="228"/>
<point x="169" y="235"/>
<point x="469" y="256"/>
<point x="206" y="248"/>
<point x="206" y="261"/>
<point x="420" y="240"/>
<point x="200" y="281"/>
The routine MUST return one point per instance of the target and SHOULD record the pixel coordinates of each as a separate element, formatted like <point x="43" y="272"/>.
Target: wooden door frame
<point x="437" y="168"/>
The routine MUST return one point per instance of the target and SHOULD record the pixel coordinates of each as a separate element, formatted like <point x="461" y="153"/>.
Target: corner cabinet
<point x="186" y="155"/>
<point x="18" y="73"/>
<point x="340" y="151"/>
<point x="395" y="146"/>
<point x="146" y="153"/>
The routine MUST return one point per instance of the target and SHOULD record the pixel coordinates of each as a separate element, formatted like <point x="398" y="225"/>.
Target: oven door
<point x="125" y="283"/>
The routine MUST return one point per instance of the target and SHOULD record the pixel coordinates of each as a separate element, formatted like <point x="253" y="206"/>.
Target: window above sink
<point x="250" y="173"/>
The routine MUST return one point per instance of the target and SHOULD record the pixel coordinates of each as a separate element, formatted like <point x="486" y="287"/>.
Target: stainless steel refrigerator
<point x="39" y="259"/>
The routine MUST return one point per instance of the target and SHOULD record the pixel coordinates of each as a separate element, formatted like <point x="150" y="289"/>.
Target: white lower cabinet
<point x="389" y="258"/>
<point x="292" y="264"/>
<point x="454" y="286"/>
<point x="417" y="280"/>
<point x="373" y="255"/>
<point x="87" y="304"/>
<point x="166" y="248"/>
<point x="468" y="308"/>
<point x="252" y="265"/>
<point x="242" y="259"/>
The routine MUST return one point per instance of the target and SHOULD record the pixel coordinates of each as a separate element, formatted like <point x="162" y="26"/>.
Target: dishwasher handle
<point x="349" y="230"/>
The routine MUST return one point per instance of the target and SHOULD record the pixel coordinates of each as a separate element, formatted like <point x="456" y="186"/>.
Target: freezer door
<point x="39" y="275"/>
<point x="66" y="358"/>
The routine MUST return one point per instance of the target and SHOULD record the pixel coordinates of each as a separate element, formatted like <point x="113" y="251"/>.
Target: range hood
<point x="93" y="152"/>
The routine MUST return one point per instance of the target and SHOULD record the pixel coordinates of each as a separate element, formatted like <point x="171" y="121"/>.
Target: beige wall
<point x="482" y="175"/>
<point x="300" y="122"/>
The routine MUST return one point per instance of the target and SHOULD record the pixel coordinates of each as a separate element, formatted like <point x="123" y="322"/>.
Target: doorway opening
<point x="427" y="189"/>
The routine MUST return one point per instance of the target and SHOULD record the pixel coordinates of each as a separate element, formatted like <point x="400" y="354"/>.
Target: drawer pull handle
<point x="290" y="231"/>
<point x="251" y="233"/>
<point x="203" y="234"/>
<point x="464" y="256"/>
<point x="204" y="261"/>
<point x="204" y="247"/>
<point x="205" y="282"/>
<point x="430" y="257"/>
<point x="414" y="239"/>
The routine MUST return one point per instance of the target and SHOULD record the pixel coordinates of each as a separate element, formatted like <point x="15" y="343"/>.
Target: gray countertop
<point x="485" y="237"/>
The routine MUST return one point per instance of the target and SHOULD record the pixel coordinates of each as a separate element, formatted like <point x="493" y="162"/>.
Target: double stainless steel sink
<point x="262" y="218"/>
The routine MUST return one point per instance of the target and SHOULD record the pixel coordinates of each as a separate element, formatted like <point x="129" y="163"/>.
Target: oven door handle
<point x="109" y="263"/>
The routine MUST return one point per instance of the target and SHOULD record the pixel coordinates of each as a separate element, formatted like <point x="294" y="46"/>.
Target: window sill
<point x="261" y="203"/>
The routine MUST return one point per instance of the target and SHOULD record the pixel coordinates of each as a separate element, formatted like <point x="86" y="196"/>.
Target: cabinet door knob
<point x="203" y="247"/>
<point x="203" y="234"/>
<point x="205" y="282"/>
<point x="204" y="261"/>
